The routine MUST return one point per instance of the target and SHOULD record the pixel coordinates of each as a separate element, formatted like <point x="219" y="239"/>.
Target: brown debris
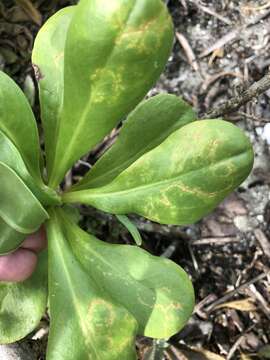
<point x="31" y="11"/>
<point x="263" y="241"/>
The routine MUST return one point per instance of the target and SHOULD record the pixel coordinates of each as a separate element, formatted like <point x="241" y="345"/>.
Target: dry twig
<point x="234" y="34"/>
<point x="188" y="51"/>
<point x="236" y="102"/>
<point x="238" y="343"/>
<point x="230" y="294"/>
<point x="211" y="12"/>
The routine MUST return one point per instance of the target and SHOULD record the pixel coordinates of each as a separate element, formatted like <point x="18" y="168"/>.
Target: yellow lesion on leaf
<point x="191" y="190"/>
<point x="137" y="37"/>
<point x="213" y="147"/>
<point x="98" y="97"/>
<point x="227" y="172"/>
<point x="119" y="19"/>
<point x="169" y="309"/>
<point x="57" y="58"/>
<point x="144" y="303"/>
<point x="150" y="207"/>
<point x="106" y="85"/>
<point x="164" y="200"/>
<point x="97" y="74"/>
<point x="98" y="305"/>
<point x="165" y="290"/>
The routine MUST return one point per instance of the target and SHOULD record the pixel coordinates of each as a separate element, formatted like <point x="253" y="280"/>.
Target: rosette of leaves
<point x="94" y="64"/>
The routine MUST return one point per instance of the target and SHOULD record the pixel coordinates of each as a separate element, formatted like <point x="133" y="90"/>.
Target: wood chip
<point x="218" y="53"/>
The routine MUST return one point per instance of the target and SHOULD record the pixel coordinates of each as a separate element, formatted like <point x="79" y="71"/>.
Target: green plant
<point x="94" y="63"/>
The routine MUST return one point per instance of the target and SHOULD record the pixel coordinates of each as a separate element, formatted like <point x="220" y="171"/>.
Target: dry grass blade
<point x="209" y="355"/>
<point x="228" y="38"/>
<point x="230" y="294"/>
<point x="244" y="357"/>
<point x="257" y="8"/>
<point x="233" y="35"/>
<point x="211" y="12"/>
<point x="238" y="342"/>
<point x="30" y="10"/>
<point x="216" y="241"/>
<point x="184" y="353"/>
<point x="242" y="305"/>
<point x="191" y="58"/>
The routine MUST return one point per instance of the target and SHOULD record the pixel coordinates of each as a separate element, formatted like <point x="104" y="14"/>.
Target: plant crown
<point x="94" y="63"/>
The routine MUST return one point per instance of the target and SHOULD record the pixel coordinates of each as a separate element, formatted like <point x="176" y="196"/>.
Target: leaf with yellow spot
<point x="146" y="127"/>
<point x="182" y="179"/>
<point x="85" y="322"/>
<point x="114" y="51"/>
<point x="22" y="305"/>
<point x="156" y="291"/>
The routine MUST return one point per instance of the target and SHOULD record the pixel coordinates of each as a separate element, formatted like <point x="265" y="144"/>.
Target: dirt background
<point x="221" y="47"/>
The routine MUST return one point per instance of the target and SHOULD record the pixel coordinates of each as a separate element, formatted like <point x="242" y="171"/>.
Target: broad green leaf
<point x="18" y="123"/>
<point x="48" y="62"/>
<point x="10" y="156"/>
<point x="115" y="50"/>
<point x="85" y="322"/>
<point x="131" y="228"/>
<point x="18" y="207"/>
<point x="22" y="305"/>
<point x="145" y="128"/>
<point x="10" y="239"/>
<point x="182" y="179"/>
<point x="156" y="291"/>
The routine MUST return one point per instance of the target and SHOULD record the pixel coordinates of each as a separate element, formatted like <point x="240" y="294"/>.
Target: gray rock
<point x="18" y="351"/>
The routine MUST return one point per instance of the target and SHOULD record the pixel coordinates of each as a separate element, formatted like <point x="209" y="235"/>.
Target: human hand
<point x="19" y="265"/>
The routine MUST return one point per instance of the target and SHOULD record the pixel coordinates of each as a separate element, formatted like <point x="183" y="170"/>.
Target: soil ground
<point x="221" y="47"/>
